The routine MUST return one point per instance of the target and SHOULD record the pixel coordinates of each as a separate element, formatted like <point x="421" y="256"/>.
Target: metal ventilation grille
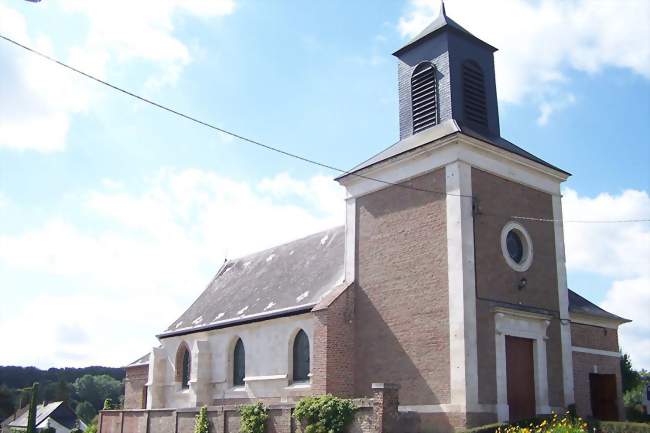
<point x="474" y="93"/>
<point x="424" y="97"/>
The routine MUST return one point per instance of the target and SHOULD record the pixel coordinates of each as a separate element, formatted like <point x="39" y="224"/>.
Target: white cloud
<point x="154" y="254"/>
<point x="121" y="33"/>
<point x="620" y="252"/>
<point x="549" y="107"/>
<point x="633" y="298"/>
<point x="612" y="250"/>
<point x="539" y="41"/>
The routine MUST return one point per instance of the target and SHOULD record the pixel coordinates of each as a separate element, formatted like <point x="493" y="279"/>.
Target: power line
<point x="553" y="220"/>
<point x="222" y="130"/>
<point x="284" y="152"/>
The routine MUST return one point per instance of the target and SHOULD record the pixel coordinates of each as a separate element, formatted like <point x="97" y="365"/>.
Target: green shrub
<point x="253" y="418"/>
<point x="108" y="404"/>
<point x="91" y="429"/>
<point x="622" y="427"/>
<point x="202" y="425"/>
<point x="324" y="414"/>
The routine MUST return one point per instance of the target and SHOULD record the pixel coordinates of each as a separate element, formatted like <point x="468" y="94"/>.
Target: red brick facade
<point x="583" y="365"/>
<point x="497" y="283"/>
<point x="134" y="387"/>
<point x="334" y="344"/>
<point x="594" y="337"/>
<point x="401" y="315"/>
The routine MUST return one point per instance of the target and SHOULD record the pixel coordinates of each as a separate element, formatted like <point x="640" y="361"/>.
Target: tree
<point x="57" y="391"/>
<point x="631" y="378"/>
<point x="96" y="389"/>
<point x="31" y="416"/>
<point x="86" y="411"/>
<point x="202" y="425"/>
<point x="7" y="406"/>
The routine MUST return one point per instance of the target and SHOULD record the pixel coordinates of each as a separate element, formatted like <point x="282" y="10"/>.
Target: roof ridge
<point x="270" y="249"/>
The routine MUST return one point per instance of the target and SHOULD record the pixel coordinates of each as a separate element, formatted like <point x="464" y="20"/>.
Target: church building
<point x="448" y="279"/>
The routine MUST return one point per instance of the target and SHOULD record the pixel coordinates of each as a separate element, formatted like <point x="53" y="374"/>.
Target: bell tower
<point x="446" y="73"/>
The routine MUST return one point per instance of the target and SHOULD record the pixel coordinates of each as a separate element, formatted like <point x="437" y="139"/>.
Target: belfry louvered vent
<point x="424" y="97"/>
<point x="475" y="105"/>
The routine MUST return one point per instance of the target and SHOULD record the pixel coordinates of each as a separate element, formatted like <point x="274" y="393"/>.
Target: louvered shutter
<point x="424" y="97"/>
<point x="475" y="104"/>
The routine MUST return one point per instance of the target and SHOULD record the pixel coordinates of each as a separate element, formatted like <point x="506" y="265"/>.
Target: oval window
<point x="516" y="246"/>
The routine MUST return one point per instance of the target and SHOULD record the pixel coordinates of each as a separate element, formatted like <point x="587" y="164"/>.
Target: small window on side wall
<point x="239" y="364"/>
<point x="183" y="365"/>
<point x="301" y="357"/>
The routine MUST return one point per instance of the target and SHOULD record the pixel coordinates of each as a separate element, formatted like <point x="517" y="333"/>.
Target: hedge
<point x="622" y="427"/>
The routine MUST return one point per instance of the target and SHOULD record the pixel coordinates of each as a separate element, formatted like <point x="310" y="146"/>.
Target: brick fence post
<point x="385" y="405"/>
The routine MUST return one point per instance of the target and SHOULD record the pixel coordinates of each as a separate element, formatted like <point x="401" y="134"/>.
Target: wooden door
<point x="521" y="378"/>
<point x="602" y="388"/>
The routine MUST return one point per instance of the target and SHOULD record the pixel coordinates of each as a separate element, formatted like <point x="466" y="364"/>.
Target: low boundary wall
<point x="376" y="415"/>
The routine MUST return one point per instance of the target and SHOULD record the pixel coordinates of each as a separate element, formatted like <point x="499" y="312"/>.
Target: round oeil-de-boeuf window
<point x="516" y="246"/>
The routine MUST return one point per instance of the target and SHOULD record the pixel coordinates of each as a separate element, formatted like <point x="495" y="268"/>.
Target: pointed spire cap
<point x="442" y="22"/>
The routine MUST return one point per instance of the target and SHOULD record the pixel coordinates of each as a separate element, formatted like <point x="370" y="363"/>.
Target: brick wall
<point x="583" y="365"/>
<point x="333" y="354"/>
<point x="497" y="283"/>
<point x="378" y="415"/>
<point x="401" y="301"/>
<point x="594" y="337"/>
<point x="134" y="384"/>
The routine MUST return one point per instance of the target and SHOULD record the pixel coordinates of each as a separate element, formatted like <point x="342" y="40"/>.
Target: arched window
<point x="183" y="365"/>
<point x="474" y="103"/>
<point x="239" y="364"/>
<point x="301" y="357"/>
<point x="424" y="96"/>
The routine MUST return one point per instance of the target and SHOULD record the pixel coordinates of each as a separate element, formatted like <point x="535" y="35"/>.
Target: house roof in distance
<point x="440" y="131"/>
<point x="287" y="279"/>
<point x="63" y="415"/>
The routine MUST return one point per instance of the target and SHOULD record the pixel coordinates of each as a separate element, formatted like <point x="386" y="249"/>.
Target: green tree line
<point x="83" y="389"/>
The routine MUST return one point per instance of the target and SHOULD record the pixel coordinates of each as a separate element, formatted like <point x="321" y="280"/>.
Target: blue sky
<point x="114" y="215"/>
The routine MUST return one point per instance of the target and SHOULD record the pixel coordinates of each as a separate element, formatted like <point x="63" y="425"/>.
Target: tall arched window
<point x="424" y="96"/>
<point x="301" y="357"/>
<point x="183" y="365"/>
<point x="474" y="102"/>
<point x="239" y="364"/>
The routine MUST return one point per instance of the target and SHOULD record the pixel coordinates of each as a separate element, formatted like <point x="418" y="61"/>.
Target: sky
<point x="115" y="215"/>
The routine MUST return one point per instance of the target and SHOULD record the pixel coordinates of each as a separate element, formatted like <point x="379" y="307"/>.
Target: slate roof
<point x="442" y="130"/>
<point x="578" y="304"/>
<point x="441" y="22"/>
<point x="43" y="412"/>
<point x="286" y="279"/>
<point x="143" y="360"/>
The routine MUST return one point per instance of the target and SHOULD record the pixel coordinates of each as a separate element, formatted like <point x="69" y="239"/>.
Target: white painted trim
<point x="525" y="325"/>
<point x="463" y="362"/>
<point x="601" y="322"/>
<point x="447" y="408"/>
<point x="445" y="151"/>
<point x="596" y="351"/>
<point x="263" y="378"/>
<point x="527" y="245"/>
<point x="563" y="302"/>
<point x="350" y="238"/>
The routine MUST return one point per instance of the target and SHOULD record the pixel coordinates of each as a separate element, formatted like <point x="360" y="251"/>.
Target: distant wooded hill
<point x="21" y="377"/>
